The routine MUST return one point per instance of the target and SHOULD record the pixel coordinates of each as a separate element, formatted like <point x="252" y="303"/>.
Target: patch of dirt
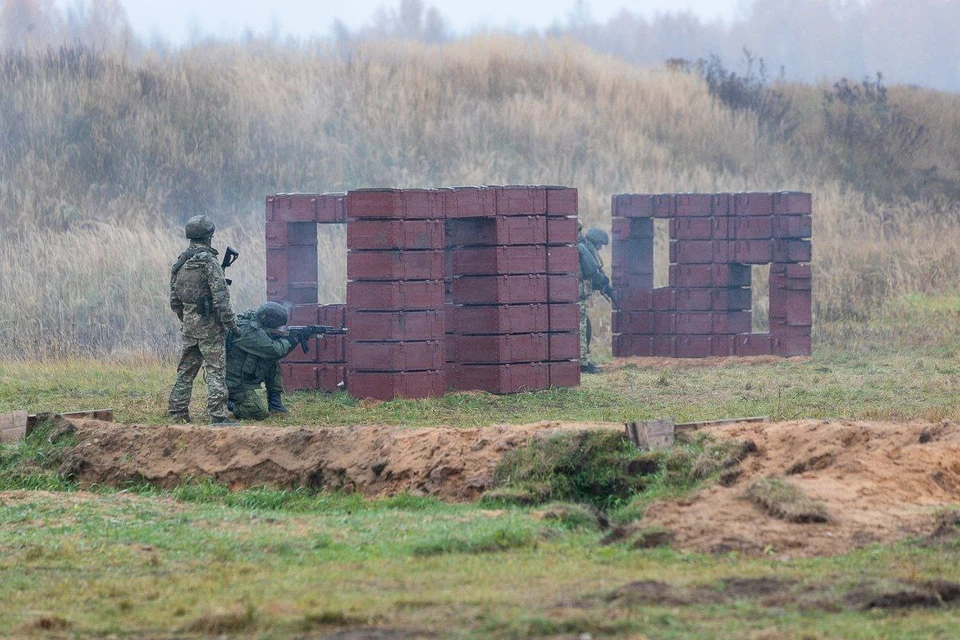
<point x="879" y="482"/>
<point x="449" y="463"/>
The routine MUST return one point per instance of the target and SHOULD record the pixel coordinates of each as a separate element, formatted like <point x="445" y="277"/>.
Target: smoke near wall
<point x="910" y="42"/>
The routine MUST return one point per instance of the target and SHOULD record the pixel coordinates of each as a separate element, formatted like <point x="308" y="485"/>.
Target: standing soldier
<point x="199" y="297"/>
<point x="592" y="278"/>
<point x="253" y="356"/>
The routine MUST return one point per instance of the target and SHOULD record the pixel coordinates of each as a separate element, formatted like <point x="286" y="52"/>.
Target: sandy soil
<point x="880" y="481"/>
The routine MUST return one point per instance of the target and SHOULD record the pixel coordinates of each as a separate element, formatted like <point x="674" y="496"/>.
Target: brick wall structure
<point x="714" y="241"/>
<point x="448" y="289"/>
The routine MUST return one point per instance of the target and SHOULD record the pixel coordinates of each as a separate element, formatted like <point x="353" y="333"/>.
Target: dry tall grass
<point x="101" y="160"/>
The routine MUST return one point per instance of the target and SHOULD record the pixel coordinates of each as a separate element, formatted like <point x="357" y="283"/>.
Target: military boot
<point x="180" y="418"/>
<point x="588" y="367"/>
<point x="274" y="403"/>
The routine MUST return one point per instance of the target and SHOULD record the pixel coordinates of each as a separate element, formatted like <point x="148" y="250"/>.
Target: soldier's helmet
<point x="272" y="315"/>
<point x="199" y="227"/>
<point x="598" y="236"/>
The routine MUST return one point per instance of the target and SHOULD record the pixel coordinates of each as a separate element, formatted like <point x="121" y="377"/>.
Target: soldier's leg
<point x="273" y="381"/>
<point x="187" y="369"/>
<point x="247" y="405"/>
<point x="215" y="366"/>
<point x="584" y="341"/>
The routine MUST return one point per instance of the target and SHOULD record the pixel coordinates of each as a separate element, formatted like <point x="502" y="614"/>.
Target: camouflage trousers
<point x="247" y="402"/>
<point x="210" y="353"/>
<point x="584" y="332"/>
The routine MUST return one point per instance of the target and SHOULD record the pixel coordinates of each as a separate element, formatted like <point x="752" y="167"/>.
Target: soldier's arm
<point x="220" y="294"/>
<point x="588" y="264"/>
<point x="176" y="304"/>
<point x="262" y="344"/>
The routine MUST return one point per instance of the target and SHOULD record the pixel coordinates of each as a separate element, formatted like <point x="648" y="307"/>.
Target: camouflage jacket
<point x="592" y="277"/>
<point x="254" y="353"/>
<point x="198" y="293"/>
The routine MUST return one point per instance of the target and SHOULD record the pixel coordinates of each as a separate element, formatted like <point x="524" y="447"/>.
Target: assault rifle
<point x="302" y="334"/>
<point x="230" y="256"/>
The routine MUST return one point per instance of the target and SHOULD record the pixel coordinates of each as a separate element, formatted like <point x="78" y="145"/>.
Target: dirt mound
<point x="454" y="464"/>
<point x="880" y="482"/>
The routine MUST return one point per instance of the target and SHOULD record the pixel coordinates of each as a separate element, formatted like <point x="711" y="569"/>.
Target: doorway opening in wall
<point x="661" y="252"/>
<point x="331" y="263"/>
<point x="760" y="298"/>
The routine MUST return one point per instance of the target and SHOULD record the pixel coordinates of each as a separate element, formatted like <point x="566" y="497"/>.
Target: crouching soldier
<point x="253" y="358"/>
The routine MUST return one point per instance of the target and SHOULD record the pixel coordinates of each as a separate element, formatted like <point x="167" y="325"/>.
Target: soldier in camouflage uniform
<point x="592" y="278"/>
<point x="253" y="359"/>
<point x="199" y="297"/>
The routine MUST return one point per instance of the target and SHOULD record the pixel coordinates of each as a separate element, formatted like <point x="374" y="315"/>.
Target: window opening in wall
<point x="661" y="252"/>
<point x="331" y="263"/>
<point x="760" y="298"/>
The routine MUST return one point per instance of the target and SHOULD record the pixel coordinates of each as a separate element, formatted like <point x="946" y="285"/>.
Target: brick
<point x="664" y="205"/>
<point x="301" y="234"/>
<point x="723" y="345"/>
<point x="753" y="203"/>
<point x="294" y="207"/>
<point x="521" y="200"/>
<point x="564" y="374"/>
<point x="793" y="307"/>
<point x="753" y="227"/>
<point x="721" y="204"/>
<point x="780" y="328"/>
<point x="792" y="203"/>
<point x="333" y="315"/>
<point x="561" y="231"/>
<point x="691" y="275"/>
<point x="694" y="323"/>
<point x="732" y="275"/>
<point x="797" y="271"/>
<point x="416" y="204"/>
<point x="633" y="299"/>
<point x="501" y="260"/>
<point x="694" y="346"/>
<point x="752" y="251"/>
<point x="789" y="346"/>
<point x="664" y="299"/>
<point x="563" y="260"/>
<point x="304" y="314"/>
<point x="395" y="234"/>
<point x="387" y="386"/>
<point x="330" y="349"/>
<point x="691" y="228"/>
<point x="665" y="346"/>
<point x="470" y="202"/>
<point x="563" y="345"/>
<point x="521" y="318"/>
<point x="631" y="281"/>
<point x="396" y="265"/>
<point x="276" y="234"/>
<point x="694" y="299"/>
<point x="502" y="378"/>
<point x="517" y="289"/>
<point x="332" y="208"/>
<point x="523" y="347"/>
<point x="731" y="299"/>
<point x="396" y="356"/>
<point x="620" y="229"/>
<point x="269" y="209"/>
<point x="691" y="252"/>
<point x="723" y="251"/>
<point x="635" y="322"/>
<point x="664" y="323"/>
<point x="732" y="322"/>
<point x="625" y="345"/>
<point x="396" y="296"/>
<point x="790" y="227"/>
<point x="724" y="228"/>
<point x="562" y="288"/>
<point x="299" y="376"/>
<point x="693" y="204"/>
<point x="331" y="377"/>
<point x="791" y="251"/>
<point x="276" y="267"/>
<point x="512" y="230"/>
<point x="395" y="325"/>
<point x="753" y="344"/>
<point x="562" y="201"/>
<point x="631" y="205"/>
<point x="564" y="316"/>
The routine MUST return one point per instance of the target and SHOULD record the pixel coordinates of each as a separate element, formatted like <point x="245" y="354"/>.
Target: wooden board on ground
<point x="97" y="414"/>
<point x="13" y="426"/>
<point x="651" y="434"/>
<point x="693" y="426"/>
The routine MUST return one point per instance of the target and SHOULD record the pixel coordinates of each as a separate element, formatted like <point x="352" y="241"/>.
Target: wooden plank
<point x="651" y="434"/>
<point x="95" y="414"/>
<point x="693" y="426"/>
<point x="13" y="426"/>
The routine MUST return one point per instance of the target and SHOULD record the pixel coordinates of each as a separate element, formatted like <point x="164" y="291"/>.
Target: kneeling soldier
<point x="253" y="358"/>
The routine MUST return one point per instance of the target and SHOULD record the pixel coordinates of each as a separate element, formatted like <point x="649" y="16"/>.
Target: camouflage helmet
<point x="199" y="227"/>
<point x="272" y="315"/>
<point x="598" y="236"/>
